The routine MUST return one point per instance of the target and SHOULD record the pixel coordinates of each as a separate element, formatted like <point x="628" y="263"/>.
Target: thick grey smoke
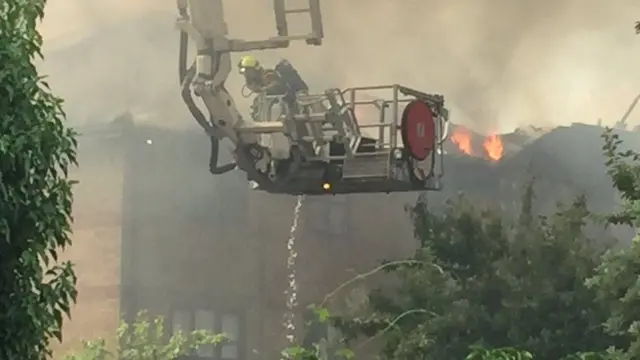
<point x="501" y="63"/>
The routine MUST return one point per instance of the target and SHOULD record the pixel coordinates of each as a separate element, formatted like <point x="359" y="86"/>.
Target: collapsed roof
<point x="565" y="161"/>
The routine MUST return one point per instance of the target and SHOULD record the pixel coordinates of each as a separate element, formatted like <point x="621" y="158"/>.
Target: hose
<point x="184" y="45"/>
<point x="191" y="104"/>
<point x="182" y="57"/>
<point x="186" y="77"/>
<point x="246" y="92"/>
<point x="213" y="159"/>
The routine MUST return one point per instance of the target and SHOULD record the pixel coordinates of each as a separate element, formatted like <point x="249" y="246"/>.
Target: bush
<point x="146" y="339"/>
<point x="616" y="280"/>
<point x="480" y="280"/>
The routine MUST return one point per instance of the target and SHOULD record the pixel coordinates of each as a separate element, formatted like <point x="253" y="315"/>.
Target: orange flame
<point x="493" y="147"/>
<point x="462" y="138"/>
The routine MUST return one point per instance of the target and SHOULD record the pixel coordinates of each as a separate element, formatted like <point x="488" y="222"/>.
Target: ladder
<point x="208" y="20"/>
<point x="281" y="11"/>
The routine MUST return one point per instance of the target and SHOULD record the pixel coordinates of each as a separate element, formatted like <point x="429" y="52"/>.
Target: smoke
<point x="71" y="18"/>
<point x="500" y="63"/>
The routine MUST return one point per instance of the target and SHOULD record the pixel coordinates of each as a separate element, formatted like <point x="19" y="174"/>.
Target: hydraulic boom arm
<point x="301" y="143"/>
<point x="203" y="22"/>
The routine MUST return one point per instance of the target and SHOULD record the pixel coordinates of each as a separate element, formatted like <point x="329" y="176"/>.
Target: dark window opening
<point x="229" y="324"/>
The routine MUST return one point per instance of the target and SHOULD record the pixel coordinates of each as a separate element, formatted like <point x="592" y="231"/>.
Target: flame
<point x="462" y="138"/>
<point x="493" y="147"/>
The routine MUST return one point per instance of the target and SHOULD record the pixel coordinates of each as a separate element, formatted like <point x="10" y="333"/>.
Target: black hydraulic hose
<point x="200" y="118"/>
<point x="213" y="159"/>
<point x="191" y="104"/>
<point x="182" y="57"/>
<point x="186" y="77"/>
<point x="184" y="44"/>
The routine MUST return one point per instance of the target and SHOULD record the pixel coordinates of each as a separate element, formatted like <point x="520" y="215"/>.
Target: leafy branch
<point x="145" y="339"/>
<point x="393" y="322"/>
<point x="323" y="315"/>
<point x="363" y="276"/>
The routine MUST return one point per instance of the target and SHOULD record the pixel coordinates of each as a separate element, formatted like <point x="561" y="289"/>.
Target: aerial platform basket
<point x="356" y="140"/>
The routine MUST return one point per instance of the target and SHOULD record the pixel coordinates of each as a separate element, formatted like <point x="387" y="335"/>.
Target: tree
<point x="616" y="280"/>
<point x="145" y="339"/>
<point x="496" y="284"/>
<point x="498" y="288"/>
<point x="36" y="151"/>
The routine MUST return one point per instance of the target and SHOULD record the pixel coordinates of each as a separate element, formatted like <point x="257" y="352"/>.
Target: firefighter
<point x="259" y="79"/>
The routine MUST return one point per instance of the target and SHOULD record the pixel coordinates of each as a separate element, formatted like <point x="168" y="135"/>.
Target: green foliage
<point x="610" y="354"/>
<point x="315" y="353"/>
<point x="146" y="339"/>
<point x="616" y="280"/>
<point x="321" y="313"/>
<point x="623" y="167"/>
<point x="498" y="287"/>
<point x="36" y="151"/>
<point x="480" y="353"/>
<point x="496" y="283"/>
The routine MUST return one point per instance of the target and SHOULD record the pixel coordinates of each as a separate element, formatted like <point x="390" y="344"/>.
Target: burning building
<point x="205" y="252"/>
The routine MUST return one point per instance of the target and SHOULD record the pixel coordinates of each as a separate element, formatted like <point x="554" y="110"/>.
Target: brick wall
<point x="338" y="237"/>
<point x="195" y="242"/>
<point x="96" y="240"/>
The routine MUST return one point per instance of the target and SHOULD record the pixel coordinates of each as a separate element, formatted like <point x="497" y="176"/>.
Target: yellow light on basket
<point x="326" y="186"/>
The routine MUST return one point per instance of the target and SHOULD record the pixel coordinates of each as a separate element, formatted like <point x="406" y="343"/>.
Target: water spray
<point x="291" y="293"/>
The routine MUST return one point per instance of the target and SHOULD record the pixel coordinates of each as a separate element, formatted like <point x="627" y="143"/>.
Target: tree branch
<point x="395" y="321"/>
<point x="359" y="277"/>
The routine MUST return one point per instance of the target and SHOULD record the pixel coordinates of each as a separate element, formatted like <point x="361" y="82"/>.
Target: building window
<point x="205" y="320"/>
<point x="228" y="324"/>
<point x="181" y="321"/>
<point x="230" y="328"/>
<point x="327" y="214"/>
